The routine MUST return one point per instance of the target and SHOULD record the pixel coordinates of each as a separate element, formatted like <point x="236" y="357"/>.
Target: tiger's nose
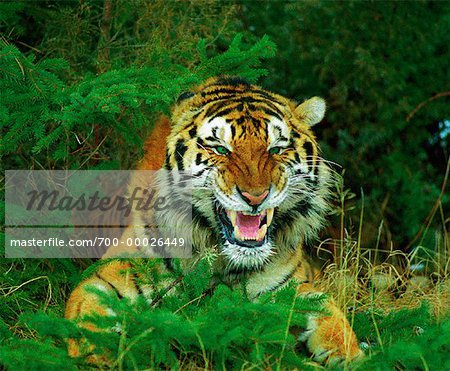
<point x="252" y="199"/>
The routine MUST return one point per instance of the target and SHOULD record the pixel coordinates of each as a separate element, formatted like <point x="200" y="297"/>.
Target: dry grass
<point x="369" y="277"/>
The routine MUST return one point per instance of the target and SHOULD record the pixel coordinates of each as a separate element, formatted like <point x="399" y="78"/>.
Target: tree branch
<point x="424" y="103"/>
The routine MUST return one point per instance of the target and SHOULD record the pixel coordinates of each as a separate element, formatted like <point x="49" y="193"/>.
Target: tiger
<point x="260" y="192"/>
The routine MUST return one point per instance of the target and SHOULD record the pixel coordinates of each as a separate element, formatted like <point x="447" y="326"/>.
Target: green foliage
<point x="33" y="284"/>
<point x="33" y="355"/>
<point x="378" y="328"/>
<point x="115" y="105"/>
<point x="193" y="326"/>
<point x="216" y="329"/>
<point x="405" y="339"/>
<point x="181" y="328"/>
<point x="428" y="351"/>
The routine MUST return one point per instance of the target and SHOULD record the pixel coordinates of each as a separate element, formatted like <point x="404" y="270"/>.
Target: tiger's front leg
<point x="83" y="302"/>
<point x="115" y="278"/>
<point x="329" y="337"/>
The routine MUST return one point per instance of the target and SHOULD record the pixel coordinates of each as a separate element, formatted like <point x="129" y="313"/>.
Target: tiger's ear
<point x="311" y="111"/>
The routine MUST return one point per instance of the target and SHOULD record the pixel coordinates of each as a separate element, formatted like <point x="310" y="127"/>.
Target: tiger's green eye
<point x="221" y="150"/>
<point x="275" y="150"/>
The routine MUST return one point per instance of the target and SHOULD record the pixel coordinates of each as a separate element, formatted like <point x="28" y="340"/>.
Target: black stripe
<point x="198" y="159"/>
<point x="224" y="112"/>
<point x="292" y="162"/>
<point x="257" y="124"/>
<point x="213" y="108"/>
<point x="114" y="288"/>
<point x="212" y="139"/>
<point x="271" y="113"/>
<point x="266" y="95"/>
<point x="316" y="168"/>
<point x="303" y="207"/>
<point x="200" y="143"/>
<point x="309" y="154"/>
<point x="219" y="99"/>
<point x="167" y="162"/>
<point x="240" y="120"/>
<point x="270" y="108"/>
<point x="295" y="134"/>
<point x="243" y="131"/>
<point x="250" y="99"/>
<point x="170" y="178"/>
<point x="270" y="104"/>
<point x="199" y="173"/>
<point x="180" y="150"/>
<point x="225" y="90"/>
<point x="200" y="218"/>
<point x="278" y="129"/>
<point x="184" y="180"/>
<point x="197" y="114"/>
<point x="193" y="132"/>
<point x="169" y="264"/>
<point x="138" y="288"/>
<point x="309" y="149"/>
<point x="251" y="107"/>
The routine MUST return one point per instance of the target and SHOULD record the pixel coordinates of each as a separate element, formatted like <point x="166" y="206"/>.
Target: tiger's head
<point x="259" y="186"/>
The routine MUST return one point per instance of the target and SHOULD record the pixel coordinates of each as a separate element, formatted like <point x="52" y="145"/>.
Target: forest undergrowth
<point x="399" y="313"/>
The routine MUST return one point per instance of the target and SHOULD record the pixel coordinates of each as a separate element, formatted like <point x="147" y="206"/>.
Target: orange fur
<point x="331" y="338"/>
<point x="154" y="146"/>
<point x="83" y="302"/>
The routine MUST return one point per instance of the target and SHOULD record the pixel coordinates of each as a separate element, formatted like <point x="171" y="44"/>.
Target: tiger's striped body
<point x="259" y="192"/>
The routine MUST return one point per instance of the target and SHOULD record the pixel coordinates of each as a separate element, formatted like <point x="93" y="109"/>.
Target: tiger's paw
<point x="331" y="340"/>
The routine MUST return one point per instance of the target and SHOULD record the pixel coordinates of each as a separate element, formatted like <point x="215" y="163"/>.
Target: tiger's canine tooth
<point x="237" y="233"/>
<point x="232" y="215"/>
<point x="269" y="216"/>
<point x="261" y="233"/>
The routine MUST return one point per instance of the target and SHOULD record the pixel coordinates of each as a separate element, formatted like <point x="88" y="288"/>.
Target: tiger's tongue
<point x="248" y="224"/>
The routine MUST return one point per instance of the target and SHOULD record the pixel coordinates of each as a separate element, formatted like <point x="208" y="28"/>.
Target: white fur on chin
<point x="246" y="257"/>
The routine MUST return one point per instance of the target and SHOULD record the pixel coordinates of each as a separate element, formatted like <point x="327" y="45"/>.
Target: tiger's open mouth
<point x="244" y="229"/>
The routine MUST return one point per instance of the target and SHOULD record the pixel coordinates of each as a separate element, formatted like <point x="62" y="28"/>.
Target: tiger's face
<point x="253" y="159"/>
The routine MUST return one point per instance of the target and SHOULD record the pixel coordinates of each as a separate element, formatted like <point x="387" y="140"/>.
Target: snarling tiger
<point x="260" y="192"/>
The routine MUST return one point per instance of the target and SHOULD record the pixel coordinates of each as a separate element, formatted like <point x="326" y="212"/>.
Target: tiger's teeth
<point x="237" y="233"/>
<point x="261" y="233"/>
<point x="269" y="216"/>
<point x="232" y="215"/>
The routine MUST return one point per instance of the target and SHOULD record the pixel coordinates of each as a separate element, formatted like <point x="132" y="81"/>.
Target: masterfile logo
<point x="83" y="214"/>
